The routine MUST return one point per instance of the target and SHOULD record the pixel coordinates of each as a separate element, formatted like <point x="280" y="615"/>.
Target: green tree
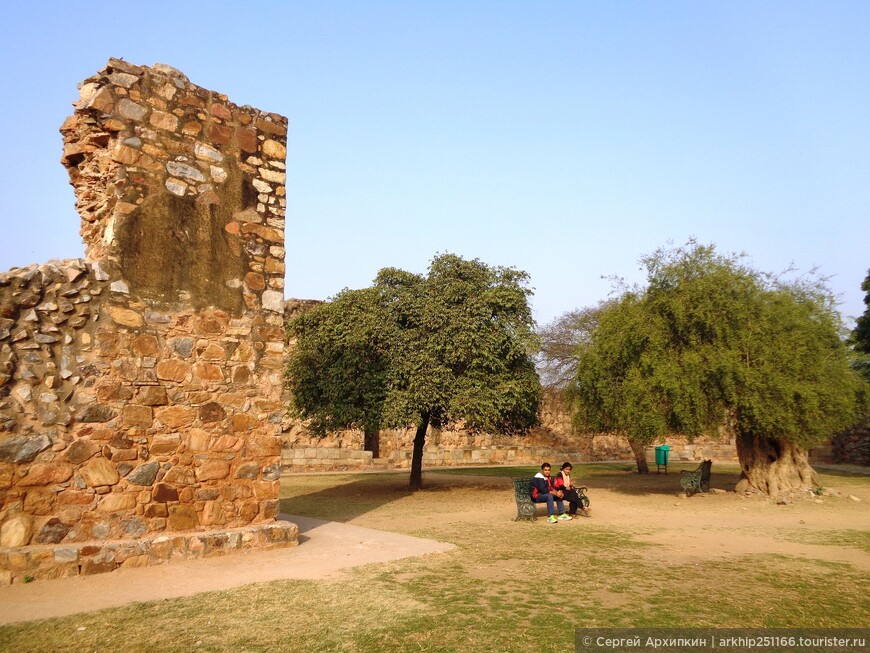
<point x="337" y="373"/>
<point x="861" y="333"/>
<point x="710" y="343"/>
<point x="412" y="350"/>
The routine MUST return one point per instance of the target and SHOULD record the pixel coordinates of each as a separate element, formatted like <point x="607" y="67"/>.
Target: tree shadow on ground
<point x="623" y="478"/>
<point x="723" y="476"/>
<point x="629" y="482"/>
<point x="354" y="495"/>
<point x="349" y="497"/>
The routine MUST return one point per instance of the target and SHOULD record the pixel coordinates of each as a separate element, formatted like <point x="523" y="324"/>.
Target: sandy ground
<point x="711" y="526"/>
<point x="325" y="550"/>
<point x="705" y="527"/>
<point x="722" y="524"/>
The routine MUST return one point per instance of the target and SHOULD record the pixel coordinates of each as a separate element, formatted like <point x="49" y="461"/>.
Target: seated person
<point x="576" y="496"/>
<point x="542" y="491"/>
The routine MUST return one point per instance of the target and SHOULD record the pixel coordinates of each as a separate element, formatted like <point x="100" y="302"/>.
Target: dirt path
<point x="326" y="550"/>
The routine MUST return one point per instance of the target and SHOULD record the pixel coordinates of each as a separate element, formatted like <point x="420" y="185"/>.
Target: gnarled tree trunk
<point x="772" y="466"/>
<point x="416" y="482"/>
<point x="639" y="457"/>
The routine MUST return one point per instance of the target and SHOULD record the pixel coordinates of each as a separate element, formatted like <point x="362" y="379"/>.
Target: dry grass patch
<point x="265" y="617"/>
<point x="645" y="558"/>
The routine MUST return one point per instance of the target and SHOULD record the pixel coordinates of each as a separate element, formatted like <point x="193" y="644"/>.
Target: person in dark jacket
<point x="542" y="491"/>
<point x="575" y="496"/>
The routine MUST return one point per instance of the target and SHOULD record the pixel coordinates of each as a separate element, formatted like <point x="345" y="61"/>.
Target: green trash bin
<point x="662" y="457"/>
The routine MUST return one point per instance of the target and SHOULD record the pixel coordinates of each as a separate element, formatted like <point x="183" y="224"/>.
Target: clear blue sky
<point x="566" y="139"/>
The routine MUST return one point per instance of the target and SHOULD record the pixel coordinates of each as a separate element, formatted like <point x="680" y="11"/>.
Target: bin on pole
<point x="662" y="457"/>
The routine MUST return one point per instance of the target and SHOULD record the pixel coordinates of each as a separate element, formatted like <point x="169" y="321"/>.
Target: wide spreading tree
<point x="451" y="346"/>
<point x="711" y="343"/>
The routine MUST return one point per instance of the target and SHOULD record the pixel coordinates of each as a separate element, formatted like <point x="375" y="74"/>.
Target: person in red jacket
<point x="575" y="496"/>
<point x="542" y="490"/>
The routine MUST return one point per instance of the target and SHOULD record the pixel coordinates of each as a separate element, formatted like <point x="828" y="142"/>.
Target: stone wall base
<point x="45" y="561"/>
<point x="701" y="449"/>
<point x="592" y="449"/>
<point x="329" y="459"/>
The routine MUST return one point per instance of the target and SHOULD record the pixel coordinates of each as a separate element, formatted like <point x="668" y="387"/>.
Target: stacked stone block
<point x="140" y="389"/>
<point x="181" y="193"/>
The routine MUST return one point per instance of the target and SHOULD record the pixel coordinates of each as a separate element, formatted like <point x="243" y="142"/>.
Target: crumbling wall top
<point x="181" y="193"/>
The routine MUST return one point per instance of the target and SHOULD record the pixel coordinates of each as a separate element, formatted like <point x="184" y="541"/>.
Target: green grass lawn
<point x="507" y="586"/>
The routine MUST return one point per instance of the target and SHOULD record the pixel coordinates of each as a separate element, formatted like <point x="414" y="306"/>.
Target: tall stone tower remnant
<point x="140" y="388"/>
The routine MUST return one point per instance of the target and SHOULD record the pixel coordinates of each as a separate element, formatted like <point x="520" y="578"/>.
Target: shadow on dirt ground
<point x="622" y="478"/>
<point x="354" y="495"/>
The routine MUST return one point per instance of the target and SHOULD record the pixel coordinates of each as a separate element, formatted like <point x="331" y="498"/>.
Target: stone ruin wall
<point x="140" y="387"/>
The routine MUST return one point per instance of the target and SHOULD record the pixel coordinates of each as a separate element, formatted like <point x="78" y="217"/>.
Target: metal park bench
<point x="527" y="509"/>
<point x="697" y="480"/>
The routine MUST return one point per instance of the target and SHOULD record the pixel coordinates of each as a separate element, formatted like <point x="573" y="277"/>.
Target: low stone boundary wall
<point x="312" y="459"/>
<point x="823" y="454"/>
<point x="487" y="456"/>
<point x="598" y="448"/>
<point x="323" y="459"/>
<point x="332" y="458"/>
<point x="719" y="451"/>
<point x="553" y="441"/>
<point x="39" y="562"/>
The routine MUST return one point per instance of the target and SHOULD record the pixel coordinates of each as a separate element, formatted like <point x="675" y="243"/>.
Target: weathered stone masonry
<point x="140" y="388"/>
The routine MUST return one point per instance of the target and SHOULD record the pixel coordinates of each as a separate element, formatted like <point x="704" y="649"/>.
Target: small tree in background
<point x="711" y="341"/>
<point x="560" y="341"/>
<point x="413" y="350"/>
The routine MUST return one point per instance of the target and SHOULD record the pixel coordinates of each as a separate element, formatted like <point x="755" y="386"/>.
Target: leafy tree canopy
<point x="453" y="345"/>
<point x="861" y="334"/>
<point x="712" y="341"/>
<point x="337" y="373"/>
